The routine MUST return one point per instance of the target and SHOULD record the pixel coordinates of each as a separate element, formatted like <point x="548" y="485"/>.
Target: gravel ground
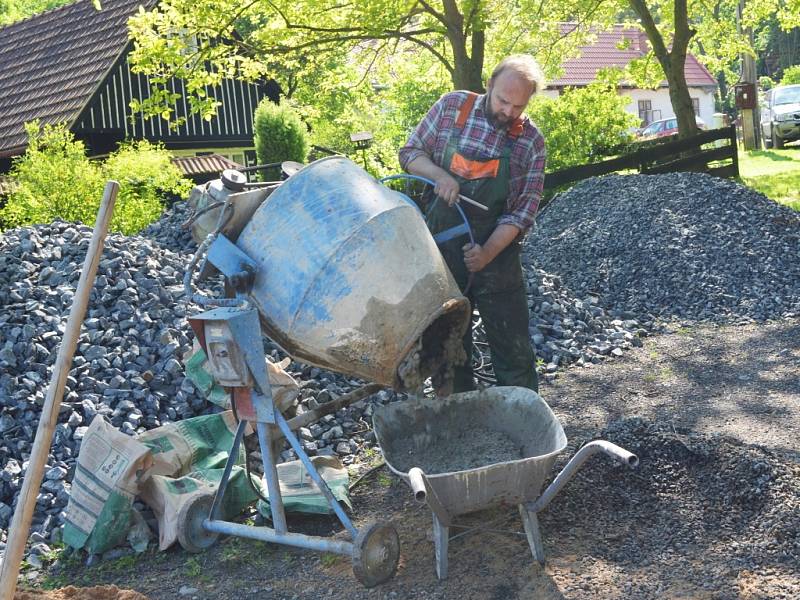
<point x="711" y="407"/>
<point x="710" y="513"/>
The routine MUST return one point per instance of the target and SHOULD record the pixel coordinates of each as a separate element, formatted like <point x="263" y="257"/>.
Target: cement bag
<point x="301" y="494"/>
<point x="194" y="444"/>
<point x="167" y="497"/>
<point x="110" y="468"/>
<point x="284" y="387"/>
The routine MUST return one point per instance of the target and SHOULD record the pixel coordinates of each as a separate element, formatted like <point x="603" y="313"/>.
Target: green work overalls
<point x="498" y="291"/>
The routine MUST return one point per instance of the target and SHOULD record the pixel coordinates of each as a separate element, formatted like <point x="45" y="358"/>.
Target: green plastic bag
<point x="301" y="494"/>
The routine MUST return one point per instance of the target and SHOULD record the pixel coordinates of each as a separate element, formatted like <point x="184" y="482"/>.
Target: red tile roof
<point x="51" y="63"/>
<point x="605" y="52"/>
<point x="200" y="165"/>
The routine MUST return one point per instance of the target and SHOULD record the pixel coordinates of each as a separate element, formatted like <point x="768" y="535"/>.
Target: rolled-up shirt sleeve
<point x="423" y="138"/>
<point x="526" y="186"/>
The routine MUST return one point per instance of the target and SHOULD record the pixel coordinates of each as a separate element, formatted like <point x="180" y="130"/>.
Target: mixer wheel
<point x="376" y="552"/>
<point x="192" y="536"/>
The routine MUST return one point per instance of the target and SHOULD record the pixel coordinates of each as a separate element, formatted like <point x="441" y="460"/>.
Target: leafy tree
<point x="583" y="124"/>
<point x="463" y="37"/>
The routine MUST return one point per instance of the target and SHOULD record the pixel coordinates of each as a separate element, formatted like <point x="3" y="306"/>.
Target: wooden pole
<point x="21" y="522"/>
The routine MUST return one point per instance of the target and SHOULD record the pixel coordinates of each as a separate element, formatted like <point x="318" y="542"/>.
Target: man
<point x="486" y="148"/>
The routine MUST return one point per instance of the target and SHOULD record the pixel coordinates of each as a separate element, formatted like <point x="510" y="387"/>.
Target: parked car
<point x="665" y="127"/>
<point x="780" y="116"/>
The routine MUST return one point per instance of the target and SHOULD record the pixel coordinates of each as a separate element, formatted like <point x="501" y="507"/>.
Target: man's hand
<point x="476" y="257"/>
<point x="446" y="188"/>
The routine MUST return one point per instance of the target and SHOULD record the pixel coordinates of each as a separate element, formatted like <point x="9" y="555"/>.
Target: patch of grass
<point x="684" y="330"/>
<point x="653" y="354"/>
<point x="193" y="568"/>
<point x="329" y="559"/>
<point x="774" y="173"/>
<point x="384" y="480"/>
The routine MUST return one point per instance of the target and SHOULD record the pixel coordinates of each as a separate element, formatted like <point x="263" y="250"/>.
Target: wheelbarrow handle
<point x="416" y="479"/>
<point x="424" y="493"/>
<point x="575" y="463"/>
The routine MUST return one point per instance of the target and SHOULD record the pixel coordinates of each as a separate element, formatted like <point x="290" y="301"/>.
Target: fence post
<point x="734" y="149"/>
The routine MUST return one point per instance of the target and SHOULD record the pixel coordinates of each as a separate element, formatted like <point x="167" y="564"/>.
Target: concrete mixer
<point x="342" y="273"/>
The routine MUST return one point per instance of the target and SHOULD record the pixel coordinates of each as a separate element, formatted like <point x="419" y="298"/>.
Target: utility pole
<point x="747" y="97"/>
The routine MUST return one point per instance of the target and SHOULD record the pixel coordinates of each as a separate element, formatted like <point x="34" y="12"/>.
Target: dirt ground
<point x="609" y="534"/>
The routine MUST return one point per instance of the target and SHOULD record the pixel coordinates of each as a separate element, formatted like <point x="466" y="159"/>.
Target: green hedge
<point x="54" y="179"/>
<point x="279" y="134"/>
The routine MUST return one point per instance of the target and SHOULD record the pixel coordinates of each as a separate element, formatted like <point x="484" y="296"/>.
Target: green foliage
<point x="791" y="75"/>
<point x="765" y="83"/>
<point x="15" y="10"/>
<point x="55" y="180"/>
<point x="145" y="173"/>
<point x="279" y="133"/>
<point x="582" y="125"/>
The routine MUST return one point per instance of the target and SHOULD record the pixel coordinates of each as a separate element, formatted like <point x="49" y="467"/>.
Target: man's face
<point x="508" y="96"/>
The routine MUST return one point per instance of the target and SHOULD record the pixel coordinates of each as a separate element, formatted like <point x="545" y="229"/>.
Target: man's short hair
<point x="526" y="67"/>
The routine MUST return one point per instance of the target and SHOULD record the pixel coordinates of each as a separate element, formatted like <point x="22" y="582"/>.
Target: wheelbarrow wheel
<point x="376" y="552"/>
<point x="192" y="536"/>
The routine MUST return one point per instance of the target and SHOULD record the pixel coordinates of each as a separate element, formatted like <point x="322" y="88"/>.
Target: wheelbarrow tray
<point x="518" y="413"/>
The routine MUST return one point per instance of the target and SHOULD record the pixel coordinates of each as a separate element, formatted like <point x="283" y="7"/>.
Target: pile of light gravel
<point x="682" y="246"/>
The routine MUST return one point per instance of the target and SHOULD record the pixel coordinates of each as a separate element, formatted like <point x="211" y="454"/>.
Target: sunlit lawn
<point x="774" y="173"/>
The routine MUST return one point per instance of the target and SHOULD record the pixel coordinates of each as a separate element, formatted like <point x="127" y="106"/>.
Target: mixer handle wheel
<point x="192" y="536"/>
<point x="376" y="552"/>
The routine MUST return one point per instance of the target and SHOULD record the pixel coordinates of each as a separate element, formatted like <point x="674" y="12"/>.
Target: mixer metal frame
<point x="231" y="338"/>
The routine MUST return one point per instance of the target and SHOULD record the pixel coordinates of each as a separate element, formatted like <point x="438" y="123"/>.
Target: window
<point x="645" y="110"/>
<point x="696" y="106"/>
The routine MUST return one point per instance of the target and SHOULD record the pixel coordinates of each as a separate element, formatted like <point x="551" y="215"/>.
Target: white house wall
<point x="661" y="104"/>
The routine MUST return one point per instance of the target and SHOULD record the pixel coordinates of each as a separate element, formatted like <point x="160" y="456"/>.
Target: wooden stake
<point x="20" y="524"/>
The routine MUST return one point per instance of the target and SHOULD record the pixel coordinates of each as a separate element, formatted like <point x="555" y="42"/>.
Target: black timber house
<point x="70" y="64"/>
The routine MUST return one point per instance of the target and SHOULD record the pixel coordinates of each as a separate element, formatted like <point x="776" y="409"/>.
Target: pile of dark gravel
<point x="691" y="494"/>
<point x="684" y="246"/>
<point x="127" y="363"/>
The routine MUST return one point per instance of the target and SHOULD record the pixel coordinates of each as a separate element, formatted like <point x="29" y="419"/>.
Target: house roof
<point x="200" y="165"/>
<point x="605" y="52"/>
<point x="51" y="63"/>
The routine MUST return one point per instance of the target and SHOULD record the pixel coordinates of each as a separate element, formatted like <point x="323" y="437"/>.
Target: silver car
<point x="780" y="116"/>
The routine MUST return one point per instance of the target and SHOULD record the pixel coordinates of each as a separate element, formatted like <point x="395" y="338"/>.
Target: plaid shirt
<point x="480" y="141"/>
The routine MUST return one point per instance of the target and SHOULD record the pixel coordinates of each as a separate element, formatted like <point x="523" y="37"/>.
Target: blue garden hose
<point x="449" y="233"/>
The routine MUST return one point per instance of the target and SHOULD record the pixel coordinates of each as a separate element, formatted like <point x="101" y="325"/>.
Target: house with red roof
<point x="616" y="48"/>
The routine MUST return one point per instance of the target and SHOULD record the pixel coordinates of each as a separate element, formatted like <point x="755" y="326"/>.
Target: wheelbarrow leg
<point x="531" y="522"/>
<point x="441" y="536"/>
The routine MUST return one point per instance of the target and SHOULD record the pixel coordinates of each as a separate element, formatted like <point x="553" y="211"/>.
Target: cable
<point x="430" y="210"/>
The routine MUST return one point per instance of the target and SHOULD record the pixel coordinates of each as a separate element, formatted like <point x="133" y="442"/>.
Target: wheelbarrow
<point x="416" y="434"/>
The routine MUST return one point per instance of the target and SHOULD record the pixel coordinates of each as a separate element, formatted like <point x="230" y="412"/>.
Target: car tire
<point x="776" y="141"/>
<point x="767" y="140"/>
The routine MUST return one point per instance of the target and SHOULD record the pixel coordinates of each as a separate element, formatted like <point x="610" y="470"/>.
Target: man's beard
<point x="496" y="120"/>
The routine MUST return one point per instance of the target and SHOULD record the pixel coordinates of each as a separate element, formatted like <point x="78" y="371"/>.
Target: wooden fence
<point x="664" y="155"/>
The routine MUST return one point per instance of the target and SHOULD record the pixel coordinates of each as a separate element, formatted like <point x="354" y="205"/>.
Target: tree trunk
<point x="672" y="61"/>
<point x="468" y="75"/>
<point x="468" y="69"/>
<point x="679" y="96"/>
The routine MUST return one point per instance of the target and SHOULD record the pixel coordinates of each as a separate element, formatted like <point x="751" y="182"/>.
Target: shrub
<point x="791" y="75"/>
<point x="583" y="124"/>
<point x="54" y="179"/>
<point x="145" y="174"/>
<point x="279" y="133"/>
